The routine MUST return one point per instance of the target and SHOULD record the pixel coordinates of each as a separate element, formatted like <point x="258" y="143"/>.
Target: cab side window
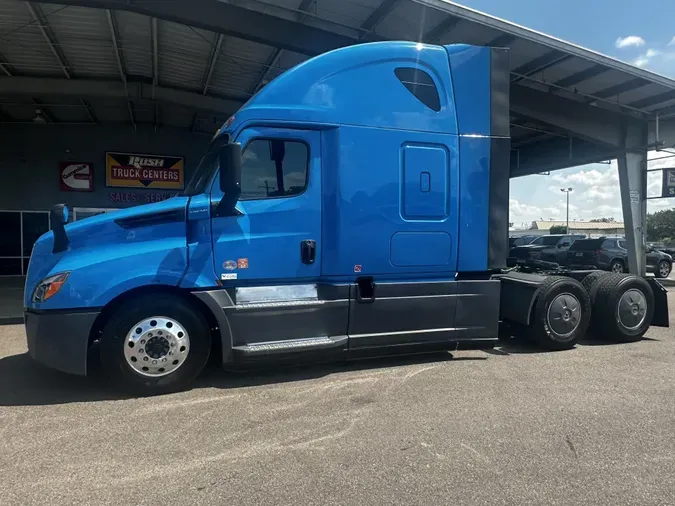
<point x="273" y="168"/>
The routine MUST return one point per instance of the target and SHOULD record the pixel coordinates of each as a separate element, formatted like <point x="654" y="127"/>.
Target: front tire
<point x="155" y="344"/>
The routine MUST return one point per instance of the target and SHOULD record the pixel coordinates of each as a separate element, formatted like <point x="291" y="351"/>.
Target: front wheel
<point x="155" y="344"/>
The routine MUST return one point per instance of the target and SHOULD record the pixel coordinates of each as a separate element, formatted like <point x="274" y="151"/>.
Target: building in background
<point x="591" y="228"/>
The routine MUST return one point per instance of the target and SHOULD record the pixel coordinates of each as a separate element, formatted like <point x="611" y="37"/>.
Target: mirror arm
<point x="220" y="210"/>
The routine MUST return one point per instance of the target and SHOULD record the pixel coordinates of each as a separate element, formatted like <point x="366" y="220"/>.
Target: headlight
<point x="49" y="286"/>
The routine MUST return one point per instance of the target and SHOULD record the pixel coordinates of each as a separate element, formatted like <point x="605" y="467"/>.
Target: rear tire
<point x="561" y="313"/>
<point x="155" y="344"/>
<point x="623" y="308"/>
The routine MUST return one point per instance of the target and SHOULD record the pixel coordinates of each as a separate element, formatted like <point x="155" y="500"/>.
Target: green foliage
<point x="602" y="220"/>
<point x="558" y="229"/>
<point x="661" y="226"/>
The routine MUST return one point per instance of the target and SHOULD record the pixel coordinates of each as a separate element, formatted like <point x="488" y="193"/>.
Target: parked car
<point x="521" y="240"/>
<point x="611" y="255"/>
<point x="550" y="248"/>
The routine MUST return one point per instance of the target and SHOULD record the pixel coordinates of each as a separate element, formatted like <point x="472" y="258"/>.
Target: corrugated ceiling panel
<point x="22" y="43"/>
<point x="110" y="110"/>
<point x="183" y="54"/>
<point x="643" y="92"/>
<point x="175" y="117"/>
<point x="347" y="12"/>
<point x="466" y="33"/>
<point x="562" y="70"/>
<point x="239" y="66"/>
<point x="408" y="21"/>
<point x="84" y="38"/>
<point x="604" y="81"/>
<point x="135" y="32"/>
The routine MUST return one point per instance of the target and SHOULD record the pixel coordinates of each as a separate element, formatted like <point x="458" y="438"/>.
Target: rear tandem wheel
<point x="561" y="313"/>
<point x="623" y="307"/>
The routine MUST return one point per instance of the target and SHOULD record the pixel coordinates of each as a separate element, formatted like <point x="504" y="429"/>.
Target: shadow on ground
<point x="23" y="382"/>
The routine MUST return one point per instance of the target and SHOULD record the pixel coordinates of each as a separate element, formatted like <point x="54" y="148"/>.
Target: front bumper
<point x="58" y="339"/>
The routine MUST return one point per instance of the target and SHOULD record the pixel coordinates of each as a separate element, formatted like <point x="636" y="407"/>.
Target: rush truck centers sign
<point x="129" y="170"/>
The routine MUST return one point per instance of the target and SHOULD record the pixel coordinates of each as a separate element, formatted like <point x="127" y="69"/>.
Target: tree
<point x="602" y="220"/>
<point x="661" y="226"/>
<point x="558" y="229"/>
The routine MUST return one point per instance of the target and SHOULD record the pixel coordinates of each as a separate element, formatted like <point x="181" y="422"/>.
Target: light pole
<point x="567" y="192"/>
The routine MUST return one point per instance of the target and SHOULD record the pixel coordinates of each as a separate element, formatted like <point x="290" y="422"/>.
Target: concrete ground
<point x="593" y="425"/>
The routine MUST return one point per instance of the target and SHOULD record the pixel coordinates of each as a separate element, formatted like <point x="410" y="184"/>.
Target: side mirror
<point x="229" y="159"/>
<point x="58" y="217"/>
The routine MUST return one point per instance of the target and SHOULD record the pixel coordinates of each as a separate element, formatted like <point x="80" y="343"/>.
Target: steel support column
<point x="633" y="185"/>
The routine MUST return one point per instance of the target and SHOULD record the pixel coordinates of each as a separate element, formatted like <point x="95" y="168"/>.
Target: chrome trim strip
<point x="278" y="293"/>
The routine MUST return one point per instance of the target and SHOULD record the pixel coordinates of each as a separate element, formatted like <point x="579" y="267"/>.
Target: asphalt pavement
<point x="592" y="425"/>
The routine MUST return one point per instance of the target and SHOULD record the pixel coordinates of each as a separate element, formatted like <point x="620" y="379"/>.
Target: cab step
<point x="291" y="346"/>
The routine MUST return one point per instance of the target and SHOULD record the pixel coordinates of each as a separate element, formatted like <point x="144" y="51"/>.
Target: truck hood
<point x="98" y="234"/>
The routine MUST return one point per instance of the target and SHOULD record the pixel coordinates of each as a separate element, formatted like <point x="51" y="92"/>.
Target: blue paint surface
<point x="394" y="190"/>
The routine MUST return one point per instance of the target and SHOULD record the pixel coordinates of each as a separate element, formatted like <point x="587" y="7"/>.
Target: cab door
<point x="276" y="238"/>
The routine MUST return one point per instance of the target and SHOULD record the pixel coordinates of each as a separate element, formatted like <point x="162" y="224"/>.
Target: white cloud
<point x="630" y="41"/>
<point x="672" y="42"/>
<point x="522" y="212"/>
<point x="641" y="61"/>
<point x="595" y="192"/>
<point x="651" y="53"/>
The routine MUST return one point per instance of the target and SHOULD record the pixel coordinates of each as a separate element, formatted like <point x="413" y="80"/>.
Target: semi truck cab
<point x="357" y="204"/>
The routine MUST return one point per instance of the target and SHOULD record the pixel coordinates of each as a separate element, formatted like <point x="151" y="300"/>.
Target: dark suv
<point x="611" y="255"/>
<point x="550" y="248"/>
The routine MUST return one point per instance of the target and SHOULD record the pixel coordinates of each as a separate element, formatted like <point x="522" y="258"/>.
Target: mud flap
<point x="661" y="317"/>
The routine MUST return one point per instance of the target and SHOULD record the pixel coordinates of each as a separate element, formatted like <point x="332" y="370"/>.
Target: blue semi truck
<point x="358" y="204"/>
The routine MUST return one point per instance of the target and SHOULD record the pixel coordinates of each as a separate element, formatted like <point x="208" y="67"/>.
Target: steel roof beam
<point x="276" y="54"/>
<point x="504" y="40"/>
<point x="45" y="112"/>
<point x="215" y="51"/>
<point x="379" y="14"/>
<point x="232" y="20"/>
<point x="49" y="37"/>
<point x="581" y="120"/>
<point x="6" y="67"/>
<point x="543" y="62"/>
<point x="34" y="86"/>
<point x="618" y="89"/>
<point x="654" y="100"/>
<point x="112" y="25"/>
<point x="555" y="154"/>
<point x="155" y="54"/>
<point x="90" y="111"/>
<point x="434" y="35"/>
<point x="581" y="76"/>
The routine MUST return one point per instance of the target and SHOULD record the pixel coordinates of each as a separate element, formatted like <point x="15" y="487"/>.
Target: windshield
<point x="550" y="240"/>
<point x="206" y="168"/>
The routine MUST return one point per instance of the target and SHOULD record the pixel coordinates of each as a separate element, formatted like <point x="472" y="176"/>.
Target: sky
<point x="635" y="32"/>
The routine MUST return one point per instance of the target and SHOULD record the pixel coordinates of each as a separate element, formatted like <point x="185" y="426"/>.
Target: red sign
<point x="76" y="176"/>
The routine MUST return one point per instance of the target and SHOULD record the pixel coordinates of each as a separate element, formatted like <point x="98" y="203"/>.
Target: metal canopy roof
<point x="190" y="64"/>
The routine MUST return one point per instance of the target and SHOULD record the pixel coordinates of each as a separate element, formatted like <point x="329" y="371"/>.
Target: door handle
<point x="308" y="251"/>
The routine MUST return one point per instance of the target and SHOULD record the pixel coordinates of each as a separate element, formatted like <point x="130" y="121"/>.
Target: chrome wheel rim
<point x="617" y="267"/>
<point x="156" y="346"/>
<point x="631" y="310"/>
<point x="564" y="314"/>
<point x="664" y="269"/>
